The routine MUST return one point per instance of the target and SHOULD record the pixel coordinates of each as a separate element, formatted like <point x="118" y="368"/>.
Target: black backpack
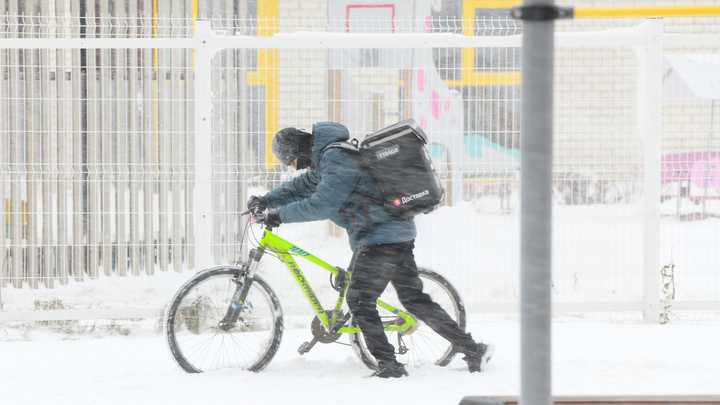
<point x="398" y="160"/>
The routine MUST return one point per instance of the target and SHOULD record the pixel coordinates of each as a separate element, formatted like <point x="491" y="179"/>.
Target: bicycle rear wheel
<point x="421" y="345"/>
<point x="192" y="323"/>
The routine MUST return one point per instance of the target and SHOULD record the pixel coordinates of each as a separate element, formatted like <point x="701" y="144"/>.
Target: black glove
<point x="257" y="202"/>
<point x="272" y="218"/>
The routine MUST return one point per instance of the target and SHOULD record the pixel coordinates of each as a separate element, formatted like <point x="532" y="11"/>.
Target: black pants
<point x="373" y="267"/>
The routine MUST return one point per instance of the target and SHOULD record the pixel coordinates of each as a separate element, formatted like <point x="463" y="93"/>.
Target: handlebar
<point x="258" y="215"/>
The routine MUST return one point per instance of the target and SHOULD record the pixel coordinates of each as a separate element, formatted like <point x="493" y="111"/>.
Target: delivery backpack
<point x="397" y="158"/>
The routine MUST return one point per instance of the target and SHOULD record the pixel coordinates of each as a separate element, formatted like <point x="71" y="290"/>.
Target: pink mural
<point x="420" y="79"/>
<point x="701" y="172"/>
<point x="435" y="104"/>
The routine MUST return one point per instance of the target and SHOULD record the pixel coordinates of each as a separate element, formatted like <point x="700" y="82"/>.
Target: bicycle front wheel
<point x="194" y="332"/>
<point x="420" y="345"/>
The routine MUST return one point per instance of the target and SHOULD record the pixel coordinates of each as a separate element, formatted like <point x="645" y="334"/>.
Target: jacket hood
<point x="327" y="132"/>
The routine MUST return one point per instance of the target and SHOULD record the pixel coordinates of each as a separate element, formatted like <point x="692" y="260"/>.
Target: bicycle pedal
<point x="306" y="346"/>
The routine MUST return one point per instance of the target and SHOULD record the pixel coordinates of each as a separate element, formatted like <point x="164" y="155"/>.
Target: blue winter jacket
<point x="325" y="191"/>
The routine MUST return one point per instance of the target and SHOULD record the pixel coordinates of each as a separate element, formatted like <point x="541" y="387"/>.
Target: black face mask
<point x="304" y="151"/>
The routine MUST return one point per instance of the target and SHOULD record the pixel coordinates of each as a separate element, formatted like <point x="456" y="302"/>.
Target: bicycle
<point x="230" y="317"/>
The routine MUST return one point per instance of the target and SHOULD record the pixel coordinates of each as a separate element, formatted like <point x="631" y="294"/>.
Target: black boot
<point x="390" y="369"/>
<point x="478" y="357"/>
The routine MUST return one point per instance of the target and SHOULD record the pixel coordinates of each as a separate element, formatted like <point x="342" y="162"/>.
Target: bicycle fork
<point x="243" y="283"/>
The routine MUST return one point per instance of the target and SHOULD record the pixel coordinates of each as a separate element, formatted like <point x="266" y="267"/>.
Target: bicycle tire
<point x="191" y="322"/>
<point x="423" y="344"/>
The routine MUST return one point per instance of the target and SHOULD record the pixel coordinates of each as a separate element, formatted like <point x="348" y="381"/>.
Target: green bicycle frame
<point x="286" y="250"/>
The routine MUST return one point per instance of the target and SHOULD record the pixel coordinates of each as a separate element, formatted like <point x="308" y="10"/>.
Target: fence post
<point x="650" y="122"/>
<point x="203" y="206"/>
<point x="4" y="177"/>
<point x="77" y="91"/>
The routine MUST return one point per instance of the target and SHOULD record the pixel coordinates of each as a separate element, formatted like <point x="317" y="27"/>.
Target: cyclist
<point x="334" y="188"/>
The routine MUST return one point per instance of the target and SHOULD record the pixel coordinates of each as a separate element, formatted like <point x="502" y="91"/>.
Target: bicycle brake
<point x="306" y="346"/>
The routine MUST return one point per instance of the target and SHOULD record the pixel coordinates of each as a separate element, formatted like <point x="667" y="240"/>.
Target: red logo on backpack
<point x="397" y="201"/>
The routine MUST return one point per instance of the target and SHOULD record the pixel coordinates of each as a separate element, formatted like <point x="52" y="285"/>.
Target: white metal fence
<point x="127" y="154"/>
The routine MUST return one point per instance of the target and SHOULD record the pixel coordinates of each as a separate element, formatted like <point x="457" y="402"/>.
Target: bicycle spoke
<point x="422" y="345"/>
<point x="197" y="341"/>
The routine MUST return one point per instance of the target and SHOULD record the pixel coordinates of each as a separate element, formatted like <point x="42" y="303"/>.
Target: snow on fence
<point x="129" y="147"/>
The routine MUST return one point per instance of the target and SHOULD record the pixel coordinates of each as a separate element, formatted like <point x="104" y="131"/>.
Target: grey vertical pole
<point x="535" y="208"/>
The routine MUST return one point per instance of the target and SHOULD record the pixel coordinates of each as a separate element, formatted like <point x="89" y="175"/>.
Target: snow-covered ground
<point x="588" y="359"/>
